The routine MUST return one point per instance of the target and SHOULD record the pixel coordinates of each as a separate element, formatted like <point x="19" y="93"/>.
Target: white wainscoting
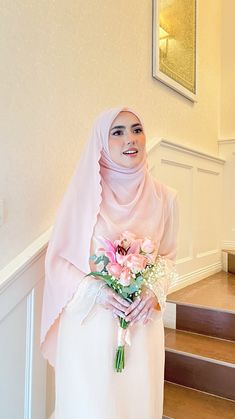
<point x="227" y="150"/>
<point x="198" y="178"/>
<point x="22" y="368"/>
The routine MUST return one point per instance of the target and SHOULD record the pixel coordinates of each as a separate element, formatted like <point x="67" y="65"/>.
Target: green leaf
<point x="98" y="260"/>
<point x="105" y="260"/>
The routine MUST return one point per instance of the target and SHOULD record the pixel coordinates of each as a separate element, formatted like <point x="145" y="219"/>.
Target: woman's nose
<point x="130" y="138"/>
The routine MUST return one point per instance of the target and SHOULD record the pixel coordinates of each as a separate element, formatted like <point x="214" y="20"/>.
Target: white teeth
<point x="130" y="152"/>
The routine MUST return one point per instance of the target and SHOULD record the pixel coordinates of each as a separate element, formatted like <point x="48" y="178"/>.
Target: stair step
<point x="185" y="403"/>
<point x="200" y="362"/>
<point x="207" y="347"/>
<point x="216" y="291"/>
<point x="211" y="322"/>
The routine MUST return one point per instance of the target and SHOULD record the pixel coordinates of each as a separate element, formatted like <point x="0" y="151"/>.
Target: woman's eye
<point x="138" y="130"/>
<point x="118" y="132"/>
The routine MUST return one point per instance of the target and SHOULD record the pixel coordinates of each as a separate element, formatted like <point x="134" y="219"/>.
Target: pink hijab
<point x="126" y="198"/>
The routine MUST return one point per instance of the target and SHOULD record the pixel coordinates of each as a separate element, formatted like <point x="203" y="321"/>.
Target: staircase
<point x="200" y="352"/>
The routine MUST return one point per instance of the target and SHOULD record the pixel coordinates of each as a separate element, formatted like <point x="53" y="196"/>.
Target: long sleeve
<point x="167" y="254"/>
<point x="84" y="300"/>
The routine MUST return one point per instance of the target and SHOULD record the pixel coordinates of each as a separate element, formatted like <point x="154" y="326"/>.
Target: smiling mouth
<point x="130" y="152"/>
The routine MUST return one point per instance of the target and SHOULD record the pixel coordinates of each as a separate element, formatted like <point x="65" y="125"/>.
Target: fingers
<point x="121" y="300"/>
<point x="147" y="317"/>
<point x="135" y="313"/>
<point x="117" y="312"/>
<point x="133" y="306"/>
<point x="117" y="305"/>
<point x="142" y="313"/>
<point x="140" y="309"/>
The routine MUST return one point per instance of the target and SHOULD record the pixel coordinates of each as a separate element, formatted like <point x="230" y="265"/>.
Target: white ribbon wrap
<point x="124" y="336"/>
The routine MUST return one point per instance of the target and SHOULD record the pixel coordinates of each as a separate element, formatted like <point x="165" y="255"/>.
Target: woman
<point x="111" y="192"/>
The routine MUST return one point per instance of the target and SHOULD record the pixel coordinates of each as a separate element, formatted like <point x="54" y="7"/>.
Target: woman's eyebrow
<point x="122" y="126"/>
<point x="118" y="127"/>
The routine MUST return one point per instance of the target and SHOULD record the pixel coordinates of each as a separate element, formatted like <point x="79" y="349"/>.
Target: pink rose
<point x="125" y="277"/>
<point x="114" y="269"/>
<point x="147" y="246"/>
<point x="136" y="262"/>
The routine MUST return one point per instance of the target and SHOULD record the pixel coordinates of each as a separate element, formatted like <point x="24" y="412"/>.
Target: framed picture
<point x="175" y="45"/>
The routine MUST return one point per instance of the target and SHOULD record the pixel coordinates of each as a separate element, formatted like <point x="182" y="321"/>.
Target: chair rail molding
<point x="161" y="142"/>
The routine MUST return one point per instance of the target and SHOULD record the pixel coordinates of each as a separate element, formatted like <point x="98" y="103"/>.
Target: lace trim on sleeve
<point x="161" y="278"/>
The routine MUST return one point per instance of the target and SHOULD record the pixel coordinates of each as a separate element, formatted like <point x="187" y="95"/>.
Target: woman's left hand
<point x="142" y="307"/>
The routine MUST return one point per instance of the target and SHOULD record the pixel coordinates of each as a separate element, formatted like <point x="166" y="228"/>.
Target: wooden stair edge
<point x="199" y="293"/>
<point x="200" y="391"/>
<point x="181" y="402"/>
<point x="217" y="350"/>
<point x="200" y="306"/>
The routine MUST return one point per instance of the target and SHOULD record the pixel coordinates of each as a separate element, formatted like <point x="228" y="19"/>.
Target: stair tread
<point x="200" y="345"/>
<point x="184" y="403"/>
<point x="214" y="292"/>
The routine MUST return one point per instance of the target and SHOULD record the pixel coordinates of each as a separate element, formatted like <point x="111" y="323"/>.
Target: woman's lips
<point x="131" y="152"/>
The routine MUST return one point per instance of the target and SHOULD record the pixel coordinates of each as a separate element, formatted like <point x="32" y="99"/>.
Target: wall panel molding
<point x="198" y="178"/>
<point x="228" y="244"/>
<point x="227" y="149"/>
<point x="22" y="287"/>
<point x="29" y="356"/>
<point x="156" y="142"/>
<point x="195" y="276"/>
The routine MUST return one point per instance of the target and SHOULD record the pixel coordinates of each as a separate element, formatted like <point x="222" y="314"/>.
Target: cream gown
<point x="87" y="385"/>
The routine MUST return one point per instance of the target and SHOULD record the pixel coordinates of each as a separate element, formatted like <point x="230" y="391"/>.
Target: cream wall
<point x="62" y="63"/>
<point x="227" y="123"/>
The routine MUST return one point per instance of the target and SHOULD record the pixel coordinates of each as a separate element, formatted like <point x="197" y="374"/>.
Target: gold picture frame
<point x="175" y="45"/>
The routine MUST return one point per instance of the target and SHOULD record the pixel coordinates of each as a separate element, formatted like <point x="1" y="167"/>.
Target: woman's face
<point x="126" y="140"/>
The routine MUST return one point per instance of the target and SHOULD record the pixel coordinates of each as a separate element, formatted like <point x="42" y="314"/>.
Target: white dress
<point x="87" y="385"/>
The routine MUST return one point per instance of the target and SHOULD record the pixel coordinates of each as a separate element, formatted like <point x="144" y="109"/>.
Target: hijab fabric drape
<point x="126" y="197"/>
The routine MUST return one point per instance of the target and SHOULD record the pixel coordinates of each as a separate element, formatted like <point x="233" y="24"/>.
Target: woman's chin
<point x="131" y="161"/>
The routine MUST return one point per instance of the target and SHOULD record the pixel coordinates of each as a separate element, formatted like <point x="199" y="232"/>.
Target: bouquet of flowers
<point x="126" y="265"/>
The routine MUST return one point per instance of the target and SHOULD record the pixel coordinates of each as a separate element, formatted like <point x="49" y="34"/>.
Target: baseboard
<point x="195" y="276"/>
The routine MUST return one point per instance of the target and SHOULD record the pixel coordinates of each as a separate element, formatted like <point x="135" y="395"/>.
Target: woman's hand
<point x="142" y="307"/>
<point x="110" y="300"/>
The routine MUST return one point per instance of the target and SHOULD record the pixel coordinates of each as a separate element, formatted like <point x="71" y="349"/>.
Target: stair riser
<point x="231" y="264"/>
<point x="202" y="375"/>
<point x="207" y="322"/>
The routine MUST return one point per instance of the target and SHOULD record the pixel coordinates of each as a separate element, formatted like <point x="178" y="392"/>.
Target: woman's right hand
<point x="110" y="300"/>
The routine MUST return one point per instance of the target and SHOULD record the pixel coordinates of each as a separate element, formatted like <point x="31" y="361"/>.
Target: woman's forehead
<point x="125" y="118"/>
